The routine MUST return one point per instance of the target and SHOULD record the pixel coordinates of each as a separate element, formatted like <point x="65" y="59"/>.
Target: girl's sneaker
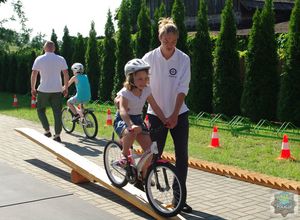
<point x="122" y="162"/>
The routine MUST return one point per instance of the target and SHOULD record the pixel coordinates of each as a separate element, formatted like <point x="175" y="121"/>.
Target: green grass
<point x="247" y="152"/>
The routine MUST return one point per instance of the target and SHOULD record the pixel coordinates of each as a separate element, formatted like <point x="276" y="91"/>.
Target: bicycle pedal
<point x="168" y="206"/>
<point x="89" y="125"/>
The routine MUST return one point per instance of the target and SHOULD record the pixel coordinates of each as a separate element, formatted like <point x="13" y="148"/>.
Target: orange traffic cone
<point x="285" y="150"/>
<point x="15" y="102"/>
<point x="108" y="119"/>
<point x="215" y="138"/>
<point x="33" y="102"/>
<point x="147" y="122"/>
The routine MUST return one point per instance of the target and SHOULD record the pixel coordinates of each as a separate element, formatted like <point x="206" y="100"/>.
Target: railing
<point x="239" y="125"/>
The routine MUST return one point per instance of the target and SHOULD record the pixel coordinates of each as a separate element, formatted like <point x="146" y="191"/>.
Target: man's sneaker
<point x="187" y="209"/>
<point x="48" y="134"/>
<point x="57" y="138"/>
<point x="75" y="118"/>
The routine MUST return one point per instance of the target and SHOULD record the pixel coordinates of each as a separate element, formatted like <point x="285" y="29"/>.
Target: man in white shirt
<point x="50" y="90"/>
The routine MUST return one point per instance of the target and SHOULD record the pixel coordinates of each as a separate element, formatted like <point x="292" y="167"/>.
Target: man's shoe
<point x="187" y="209"/>
<point x="48" y="134"/>
<point x="57" y="138"/>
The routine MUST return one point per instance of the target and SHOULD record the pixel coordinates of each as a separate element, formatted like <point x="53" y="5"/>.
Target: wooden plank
<point x="91" y="171"/>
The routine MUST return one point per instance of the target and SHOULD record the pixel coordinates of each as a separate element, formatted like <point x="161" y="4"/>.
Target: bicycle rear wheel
<point x="90" y="124"/>
<point x="116" y="175"/>
<point x="67" y="123"/>
<point x="164" y="191"/>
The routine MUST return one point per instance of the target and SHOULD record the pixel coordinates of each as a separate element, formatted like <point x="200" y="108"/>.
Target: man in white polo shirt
<point x="49" y="92"/>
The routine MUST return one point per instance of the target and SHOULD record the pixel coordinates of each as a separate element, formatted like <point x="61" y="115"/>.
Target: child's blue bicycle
<point x="87" y="120"/>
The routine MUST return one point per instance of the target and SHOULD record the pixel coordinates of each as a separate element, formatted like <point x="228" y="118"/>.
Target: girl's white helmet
<point x="135" y="65"/>
<point x="77" y="67"/>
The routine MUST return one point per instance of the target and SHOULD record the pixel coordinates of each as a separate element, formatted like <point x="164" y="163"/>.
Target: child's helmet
<point x="135" y="65"/>
<point x="77" y="67"/>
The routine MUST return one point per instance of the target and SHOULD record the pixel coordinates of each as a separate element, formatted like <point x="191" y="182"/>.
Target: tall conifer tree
<point x="252" y="73"/>
<point x="289" y="96"/>
<point x="259" y="97"/>
<point x="178" y="14"/>
<point x="135" y="7"/>
<point x="54" y="40"/>
<point x="144" y="28"/>
<point x="124" y="51"/>
<point x="92" y="62"/>
<point x="159" y="13"/>
<point x="79" y="50"/>
<point x="109" y="60"/>
<point x="227" y="83"/>
<point x="200" y="95"/>
<point x="67" y="47"/>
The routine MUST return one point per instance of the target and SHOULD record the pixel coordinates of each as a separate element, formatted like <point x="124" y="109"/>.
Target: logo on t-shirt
<point x="172" y="72"/>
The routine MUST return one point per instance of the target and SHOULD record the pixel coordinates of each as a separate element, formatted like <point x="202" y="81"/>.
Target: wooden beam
<point x="91" y="171"/>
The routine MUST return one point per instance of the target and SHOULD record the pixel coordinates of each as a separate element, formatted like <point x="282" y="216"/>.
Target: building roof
<point x="282" y="27"/>
<point x="278" y="4"/>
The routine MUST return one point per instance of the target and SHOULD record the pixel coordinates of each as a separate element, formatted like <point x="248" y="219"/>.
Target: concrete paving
<point x="35" y="185"/>
<point x="25" y="197"/>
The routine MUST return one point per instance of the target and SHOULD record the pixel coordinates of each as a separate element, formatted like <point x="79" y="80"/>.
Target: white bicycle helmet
<point x="77" y="67"/>
<point x="135" y="65"/>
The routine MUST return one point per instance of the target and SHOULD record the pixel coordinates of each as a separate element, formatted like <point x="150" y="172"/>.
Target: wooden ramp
<point x="91" y="171"/>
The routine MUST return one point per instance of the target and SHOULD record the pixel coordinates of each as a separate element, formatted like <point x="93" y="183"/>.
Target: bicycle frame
<point x="80" y="110"/>
<point x="143" y="158"/>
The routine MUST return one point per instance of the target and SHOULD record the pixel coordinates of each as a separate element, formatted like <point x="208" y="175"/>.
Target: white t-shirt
<point x="135" y="103"/>
<point x="50" y="66"/>
<point x="168" y="78"/>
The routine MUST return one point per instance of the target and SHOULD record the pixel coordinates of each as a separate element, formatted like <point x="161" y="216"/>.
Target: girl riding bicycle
<point x="82" y="85"/>
<point x="128" y="123"/>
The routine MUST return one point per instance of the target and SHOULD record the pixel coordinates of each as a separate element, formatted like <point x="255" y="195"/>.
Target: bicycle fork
<point x="165" y="180"/>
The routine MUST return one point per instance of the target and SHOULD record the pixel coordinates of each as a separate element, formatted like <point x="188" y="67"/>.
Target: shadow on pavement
<point x="85" y="150"/>
<point x="95" y="141"/>
<point x="92" y="187"/>
<point x="200" y="215"/>
<point x="88" y="147"/>
<point x="107" y="194"/>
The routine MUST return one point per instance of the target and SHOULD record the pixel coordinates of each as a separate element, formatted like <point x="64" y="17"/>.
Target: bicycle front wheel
<point x="90" y="125"/>
<point x="165" y="193"/>
<point x="116" y="174"/>
<point x="67" y="123"/>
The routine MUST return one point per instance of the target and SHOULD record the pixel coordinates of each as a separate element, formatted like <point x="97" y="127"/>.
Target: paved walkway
<point x="211" y="196"/>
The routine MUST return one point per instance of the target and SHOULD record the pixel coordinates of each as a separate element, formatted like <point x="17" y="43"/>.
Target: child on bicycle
<point x="128" y="123"/>
<point x="83" y="90"/>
